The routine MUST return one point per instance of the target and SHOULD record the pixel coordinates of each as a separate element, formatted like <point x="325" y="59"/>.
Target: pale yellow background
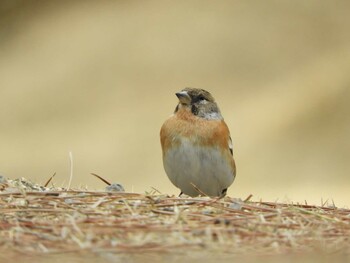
<point x="98" y="78"/>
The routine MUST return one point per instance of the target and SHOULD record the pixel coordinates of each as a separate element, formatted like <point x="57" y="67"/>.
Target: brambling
<point x="197" y="147"/>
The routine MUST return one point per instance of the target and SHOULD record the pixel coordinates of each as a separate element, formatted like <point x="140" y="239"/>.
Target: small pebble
<point x="115" y="188"/>
<point x="236" y="206"/>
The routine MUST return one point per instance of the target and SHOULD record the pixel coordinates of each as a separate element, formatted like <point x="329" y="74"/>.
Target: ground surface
<point x="36" y="221"/>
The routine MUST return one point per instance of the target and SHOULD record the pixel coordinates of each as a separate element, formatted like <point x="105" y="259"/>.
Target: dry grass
<point x="37" y="219"/>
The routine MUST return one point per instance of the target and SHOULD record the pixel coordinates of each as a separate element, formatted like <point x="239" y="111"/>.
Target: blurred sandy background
<point x="98" y="78"/>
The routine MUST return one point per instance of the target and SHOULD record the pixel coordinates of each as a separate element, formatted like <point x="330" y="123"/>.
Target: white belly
<point x="204" y="167"/>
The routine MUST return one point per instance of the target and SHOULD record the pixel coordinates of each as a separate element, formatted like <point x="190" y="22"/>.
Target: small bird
<point x="197" y="147"/>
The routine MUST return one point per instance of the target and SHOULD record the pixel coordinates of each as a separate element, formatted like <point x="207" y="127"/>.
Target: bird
<point x="197" y="147"/>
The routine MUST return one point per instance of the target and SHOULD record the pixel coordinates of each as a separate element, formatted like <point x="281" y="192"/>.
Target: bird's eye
<point x="201" y="98"/>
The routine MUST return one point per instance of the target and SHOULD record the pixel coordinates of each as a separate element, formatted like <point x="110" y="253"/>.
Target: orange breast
<point x="210" y="133"/>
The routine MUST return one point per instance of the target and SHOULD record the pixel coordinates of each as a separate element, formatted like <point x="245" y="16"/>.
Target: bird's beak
<point x="183" y="97"/>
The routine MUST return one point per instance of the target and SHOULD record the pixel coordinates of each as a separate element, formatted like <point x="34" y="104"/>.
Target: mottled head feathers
<point x="200" y="102"/>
